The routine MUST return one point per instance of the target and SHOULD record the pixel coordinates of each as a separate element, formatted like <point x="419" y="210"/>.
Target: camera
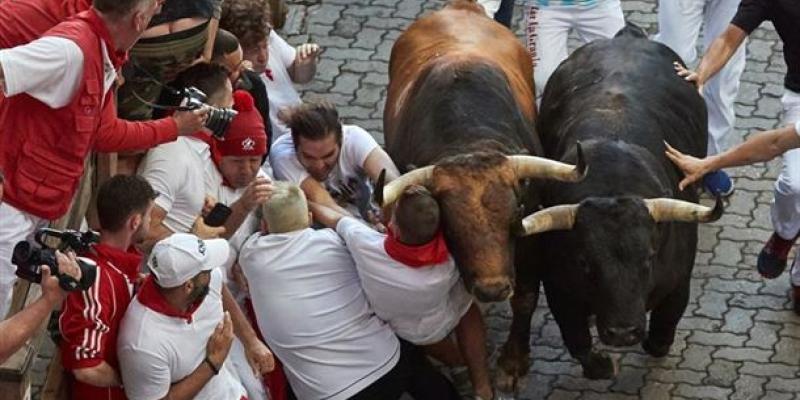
<point x="29" y="258"/>
<point x="218" y="118"/>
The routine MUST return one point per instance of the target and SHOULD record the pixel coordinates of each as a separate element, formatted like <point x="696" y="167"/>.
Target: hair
<point x="248" y="20"/>
<point x="120" y="197"/>
<point x="117" y="8"/>
<point x="225" y="43"/>
<point x="416" y="215"/>
<point x="313" y="121"/>
<point x="286" y="210"/>
<point x="210" y="78"/>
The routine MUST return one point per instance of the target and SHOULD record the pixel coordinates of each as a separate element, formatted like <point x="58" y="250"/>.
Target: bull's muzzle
<point x="490" y="290"/>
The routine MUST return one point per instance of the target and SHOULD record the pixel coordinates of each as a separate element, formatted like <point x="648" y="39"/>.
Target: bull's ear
<point x="377" y="193"/>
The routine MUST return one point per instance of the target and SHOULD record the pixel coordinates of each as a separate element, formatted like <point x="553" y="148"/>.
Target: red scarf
<point x="118" y="58"/>
<point x="151" y="298"/>
<point x="431" y="253"/>
<point x="268" y="73"/>
<point x="216" y="156"/>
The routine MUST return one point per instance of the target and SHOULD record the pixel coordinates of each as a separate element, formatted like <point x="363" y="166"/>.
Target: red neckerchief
<point x="118" y="58"/>
<point x="151" y="298"/>
<point x="268" y="73"/>
<point x="128" y="262"/>
<point x="431" y="253"/>
<point x="216" y="156"/>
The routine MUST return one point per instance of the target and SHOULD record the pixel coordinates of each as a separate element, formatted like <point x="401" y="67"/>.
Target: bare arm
<point x="378" y="160"/>
<point x="190" y="386"/>
<point x="718" y="54"/>
<point x="208" y="50"/>
<point x="304" y="66"/>
<point x="257" y="192"/>
<point x="317" y="194"/>
<point x="258" y="355"/>
<point x="101" y="375"/>
<point x="761" y="147"/>
<point x="325" y="215"/>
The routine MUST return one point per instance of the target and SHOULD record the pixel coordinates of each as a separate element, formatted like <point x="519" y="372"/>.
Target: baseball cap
<point x="182" y="256"/>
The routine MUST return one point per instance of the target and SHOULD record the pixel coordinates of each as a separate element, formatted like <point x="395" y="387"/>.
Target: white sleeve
<point x="49" y="69"/>
<point x="797" y="127"/>
<point x="159" y="169"/>
<point x="352" y="230"/>
<point x="285" y="165"/>
<point x="283" y="51"/>
<point x="357" y="147"/>
<point x="145" y="375"/>
<point x="491" y="6"/>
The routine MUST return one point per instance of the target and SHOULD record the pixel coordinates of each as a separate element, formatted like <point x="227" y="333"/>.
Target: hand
<point x="203" y="231"/>
<point x="694" y="168"/>
<point x="689" y="76"/>
<point x="208" y="204"/>
<point x="67" y="265"/>
<point x="307" y="53"/>
<point x="246" y="65"/>
<point x="219" y="344"/>
<point x="189" y="122"/>
<point x="260" y="358"/>
<point x="256" y="193"/>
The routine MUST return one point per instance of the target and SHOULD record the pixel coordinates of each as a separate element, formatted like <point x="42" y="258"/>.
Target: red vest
<point x="42" y="150"/>
<point x="22" y="21"/>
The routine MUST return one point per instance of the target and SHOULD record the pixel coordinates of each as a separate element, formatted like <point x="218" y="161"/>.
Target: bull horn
<point x="388" y="194"/>
<point x="672" y="210"/>
<point x="556" y="218"/>
<point x="538" y="167"/>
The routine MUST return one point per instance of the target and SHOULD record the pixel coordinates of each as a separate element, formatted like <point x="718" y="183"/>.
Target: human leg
<point x="550" y="29"/>
<point x="16" y="226"/>
<point x="471" y="334"/>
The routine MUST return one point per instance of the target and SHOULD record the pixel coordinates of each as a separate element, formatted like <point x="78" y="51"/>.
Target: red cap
<point x="246" y="135"/>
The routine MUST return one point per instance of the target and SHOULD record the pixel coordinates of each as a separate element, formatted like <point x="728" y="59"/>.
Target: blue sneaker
<point x="718" y="183"/>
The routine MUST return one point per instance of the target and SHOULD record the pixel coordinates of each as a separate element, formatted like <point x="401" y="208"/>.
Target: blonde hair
<point x="286" y="210"/>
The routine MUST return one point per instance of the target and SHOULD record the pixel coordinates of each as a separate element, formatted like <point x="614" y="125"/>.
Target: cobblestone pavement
<point x="738" y="339"/>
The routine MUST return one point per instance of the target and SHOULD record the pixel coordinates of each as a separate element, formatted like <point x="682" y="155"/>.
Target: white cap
<point x="182" y="256"/>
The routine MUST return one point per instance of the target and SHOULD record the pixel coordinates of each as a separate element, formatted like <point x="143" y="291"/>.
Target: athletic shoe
<point x="772" y="258"/>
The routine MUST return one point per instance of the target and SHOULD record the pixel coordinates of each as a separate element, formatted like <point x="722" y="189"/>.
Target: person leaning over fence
<point x="58" y="106"/>
<point x="89" y="321"/>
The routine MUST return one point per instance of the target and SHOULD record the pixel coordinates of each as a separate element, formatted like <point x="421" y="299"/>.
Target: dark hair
<point x="249" y="20"/>
<point x="314" y="121"/>
<point x="120" y="197"/>
<point x="225" y="43"/>
<point x="210" y="78"/>
<point x="116" y="8"/>
<point x="417" y="215"/>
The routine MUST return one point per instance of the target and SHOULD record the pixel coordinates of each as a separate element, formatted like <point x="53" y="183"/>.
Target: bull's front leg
<point x="514" y="361"/>
<point x="664" y="320"/>
<point x="573" y="321"/>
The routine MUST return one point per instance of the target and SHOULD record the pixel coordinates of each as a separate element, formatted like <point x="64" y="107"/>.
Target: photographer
<point x="20" y="327"/>
<point x="89" y="321"/>
<point x="58" y="106"/>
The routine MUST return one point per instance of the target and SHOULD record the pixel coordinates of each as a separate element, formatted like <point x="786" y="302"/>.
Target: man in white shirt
<point x="331" y="162"/>
<point x="175" y="338"/>
<point x="412" y="282"/>
<point x="183" y="172"/>
<point x="314" y="315"/>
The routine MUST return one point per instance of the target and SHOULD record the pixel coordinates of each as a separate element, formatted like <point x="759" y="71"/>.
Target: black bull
<point x="627" y="246"/>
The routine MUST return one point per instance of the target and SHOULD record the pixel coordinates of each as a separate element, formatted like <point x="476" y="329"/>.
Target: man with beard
<point x="175" y="336"/>
<point x="89" y="322"/>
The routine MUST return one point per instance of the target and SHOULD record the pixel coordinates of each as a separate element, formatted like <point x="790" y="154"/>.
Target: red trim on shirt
<point x="431" y="253"/>
<point x="151" y="297"/>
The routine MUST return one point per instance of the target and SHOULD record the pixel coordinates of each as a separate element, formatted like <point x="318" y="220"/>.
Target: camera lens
<point x="22" y="253"/>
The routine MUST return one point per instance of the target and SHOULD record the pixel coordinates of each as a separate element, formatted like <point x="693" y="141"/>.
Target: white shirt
<point x="357" y="144"/>
<point x="422" y="305"/>
<point x="183" y="173"/>
<point x="156" y="350"/>
<point x="49" y="69"/>
<point x="313" y="314"/>
<point x="281" y="90"/>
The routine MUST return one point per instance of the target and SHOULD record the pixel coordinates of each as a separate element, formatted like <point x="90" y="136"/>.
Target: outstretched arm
<point x="325" y="215"/>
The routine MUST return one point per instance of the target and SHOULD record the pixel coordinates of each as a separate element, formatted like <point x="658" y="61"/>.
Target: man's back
<point x="314" y="315"/>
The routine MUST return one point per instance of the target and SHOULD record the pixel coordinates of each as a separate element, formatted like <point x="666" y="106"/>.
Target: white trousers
<point x="547" y="30"/>
<point x="15" y="226"/>
<point x="679" y="23"/>
<point x="241" y="369"/>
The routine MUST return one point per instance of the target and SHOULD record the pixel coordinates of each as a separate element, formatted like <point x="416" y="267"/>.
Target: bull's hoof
<point x="599" y="366"/>
<point x="511" y="383"/>
<point x="655" y="349"/>
<point x="512" y="371"/>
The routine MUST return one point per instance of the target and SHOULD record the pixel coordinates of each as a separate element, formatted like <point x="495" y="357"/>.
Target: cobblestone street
<point x="739" y="338"/>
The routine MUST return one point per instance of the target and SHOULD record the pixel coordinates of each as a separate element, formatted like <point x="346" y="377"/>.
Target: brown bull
<point x="461" y="102"/>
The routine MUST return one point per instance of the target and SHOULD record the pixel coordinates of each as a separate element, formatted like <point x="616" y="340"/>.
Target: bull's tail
<point x="471" y="5"/>
<point x="631" y="30"/>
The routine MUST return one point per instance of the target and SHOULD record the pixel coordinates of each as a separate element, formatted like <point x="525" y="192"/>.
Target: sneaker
<point x="718" y="183"/>
<point x="772" y="258"/>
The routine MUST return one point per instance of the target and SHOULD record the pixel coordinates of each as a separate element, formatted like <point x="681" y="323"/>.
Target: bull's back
<point x="625" y="89"/>
<point x="458" y="32"/>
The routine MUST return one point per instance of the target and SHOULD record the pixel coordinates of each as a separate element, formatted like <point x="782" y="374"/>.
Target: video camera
<point x="29" y="259"/>
<point x="218" y="120"/>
